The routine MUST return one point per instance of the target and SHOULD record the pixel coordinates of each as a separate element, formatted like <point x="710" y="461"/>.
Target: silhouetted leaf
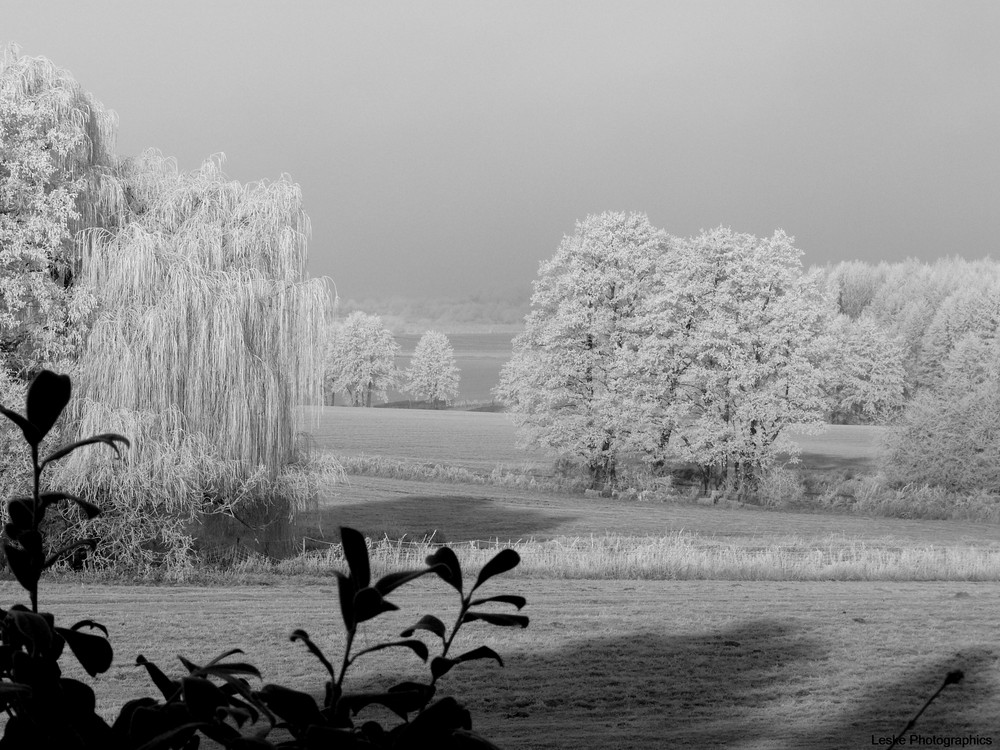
<point x="51" y="498"/>
<point x="515" y="621"/>
<point x="517" y="601"/>
<point x="368" y="603"/>
<point x="109" y="438"/>
<point x="89" y="624"/>
<point x="502" y="561"/>
<point x="425" y="691"/>
<point x="301" y="635"/>
<point x="164" y="684"/>
<point x="400" y="702"/>
<point x="202" y="697"/>
<point x="27" y="429"/>
<point x="441" y="665"/>
<point x="21" y="512"/>
<point x="483" y="652"/>
<point x="345" y="592"/>
<point x="33" y="627"/>
<point x="417" y="647"/>
<point x="9" y="690"/>
<point x="387" y="584"/>
<point x="78" y="695"/>
<point x="451" y="572"/>
<point x="356" y="553"/>
<point x="48" y="395"/>
<point x="295" y="707"/>
<point x="434" y="725"/>
<point x="94" y="652"/>
<point x="27" y="560"/>
<point x="427" y="622"/>
<point x="68" y="550"/>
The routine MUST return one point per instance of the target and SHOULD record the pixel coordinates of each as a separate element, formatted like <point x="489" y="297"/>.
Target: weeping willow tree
<point x="208" y="337"/>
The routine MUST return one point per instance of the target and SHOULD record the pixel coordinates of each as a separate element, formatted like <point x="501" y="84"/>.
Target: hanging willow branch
<point x="205" y="308"/>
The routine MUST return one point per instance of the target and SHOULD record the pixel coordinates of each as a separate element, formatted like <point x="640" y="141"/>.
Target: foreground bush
<point x="216" y="699"/>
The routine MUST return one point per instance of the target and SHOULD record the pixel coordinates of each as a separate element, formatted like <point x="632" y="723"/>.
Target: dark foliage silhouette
<point x="216" y="699"/>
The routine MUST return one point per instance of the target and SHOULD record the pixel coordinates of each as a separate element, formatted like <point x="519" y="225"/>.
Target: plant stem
<point x="347" y="653"/>
<point x="35" y="513"/>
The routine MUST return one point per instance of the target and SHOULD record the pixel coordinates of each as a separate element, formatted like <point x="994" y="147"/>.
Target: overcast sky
<point x="445" y="148"/>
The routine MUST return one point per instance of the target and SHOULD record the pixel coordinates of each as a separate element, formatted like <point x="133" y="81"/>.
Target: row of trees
<point x="361" y="363"/>
<point x="703" y="350"/>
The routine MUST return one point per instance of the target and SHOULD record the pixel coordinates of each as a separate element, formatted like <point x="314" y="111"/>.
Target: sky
<point x="445" y="148"/>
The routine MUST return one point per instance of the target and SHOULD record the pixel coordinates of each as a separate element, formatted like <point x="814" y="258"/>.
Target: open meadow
<point x="610" y="663"/>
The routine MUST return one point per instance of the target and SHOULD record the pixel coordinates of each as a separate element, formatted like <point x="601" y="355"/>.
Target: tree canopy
<point x="701" y="350"/>
<point x="432" y="373"/>
<point x="361" y="361"/>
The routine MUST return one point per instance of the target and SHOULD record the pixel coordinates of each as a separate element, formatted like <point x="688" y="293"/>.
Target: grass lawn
<point x="612" y="664"/>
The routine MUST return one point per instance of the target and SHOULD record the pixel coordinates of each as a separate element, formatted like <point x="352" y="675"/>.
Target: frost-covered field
<point x="478" y="440"/>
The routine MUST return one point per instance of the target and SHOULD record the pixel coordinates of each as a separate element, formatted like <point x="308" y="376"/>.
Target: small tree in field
<point x="362" y="359"/>
<point x="432" y="373"/>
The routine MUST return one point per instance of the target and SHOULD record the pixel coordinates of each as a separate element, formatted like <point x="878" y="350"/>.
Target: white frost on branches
<point x="361" y="360"/>
<point x="432" y="373"/>
<point x="702" y="350"/>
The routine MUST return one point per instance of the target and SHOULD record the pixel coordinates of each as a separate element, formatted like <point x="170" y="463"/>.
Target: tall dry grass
<point x="677" y="556"/>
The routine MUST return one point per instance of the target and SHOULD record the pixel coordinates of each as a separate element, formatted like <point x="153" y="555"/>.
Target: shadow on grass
<point x="644" y="690"/>
<point x="883" y="706"/>
<point x="450" y="518"/>
<point x="758" y="684"/>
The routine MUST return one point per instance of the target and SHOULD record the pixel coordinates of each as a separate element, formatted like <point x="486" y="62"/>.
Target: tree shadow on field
<point x="643" y="690"/>
<point x="449" y="518"/>
<point x="883" y="707"/>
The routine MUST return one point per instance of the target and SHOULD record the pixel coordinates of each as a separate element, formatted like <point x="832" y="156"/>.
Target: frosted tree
<point x="973" y="308"/>
<point x="751" y="364"/>
<point x="432" y="373"/>
<point x="205" y="342"/>
<point x="362" y="359"/>
<point x="565" y="383"/>
<point x="56" y="178"/>
<point x="865" y="376"/>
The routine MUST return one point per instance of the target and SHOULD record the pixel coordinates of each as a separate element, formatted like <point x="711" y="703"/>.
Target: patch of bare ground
<point x="612" y="664"/>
